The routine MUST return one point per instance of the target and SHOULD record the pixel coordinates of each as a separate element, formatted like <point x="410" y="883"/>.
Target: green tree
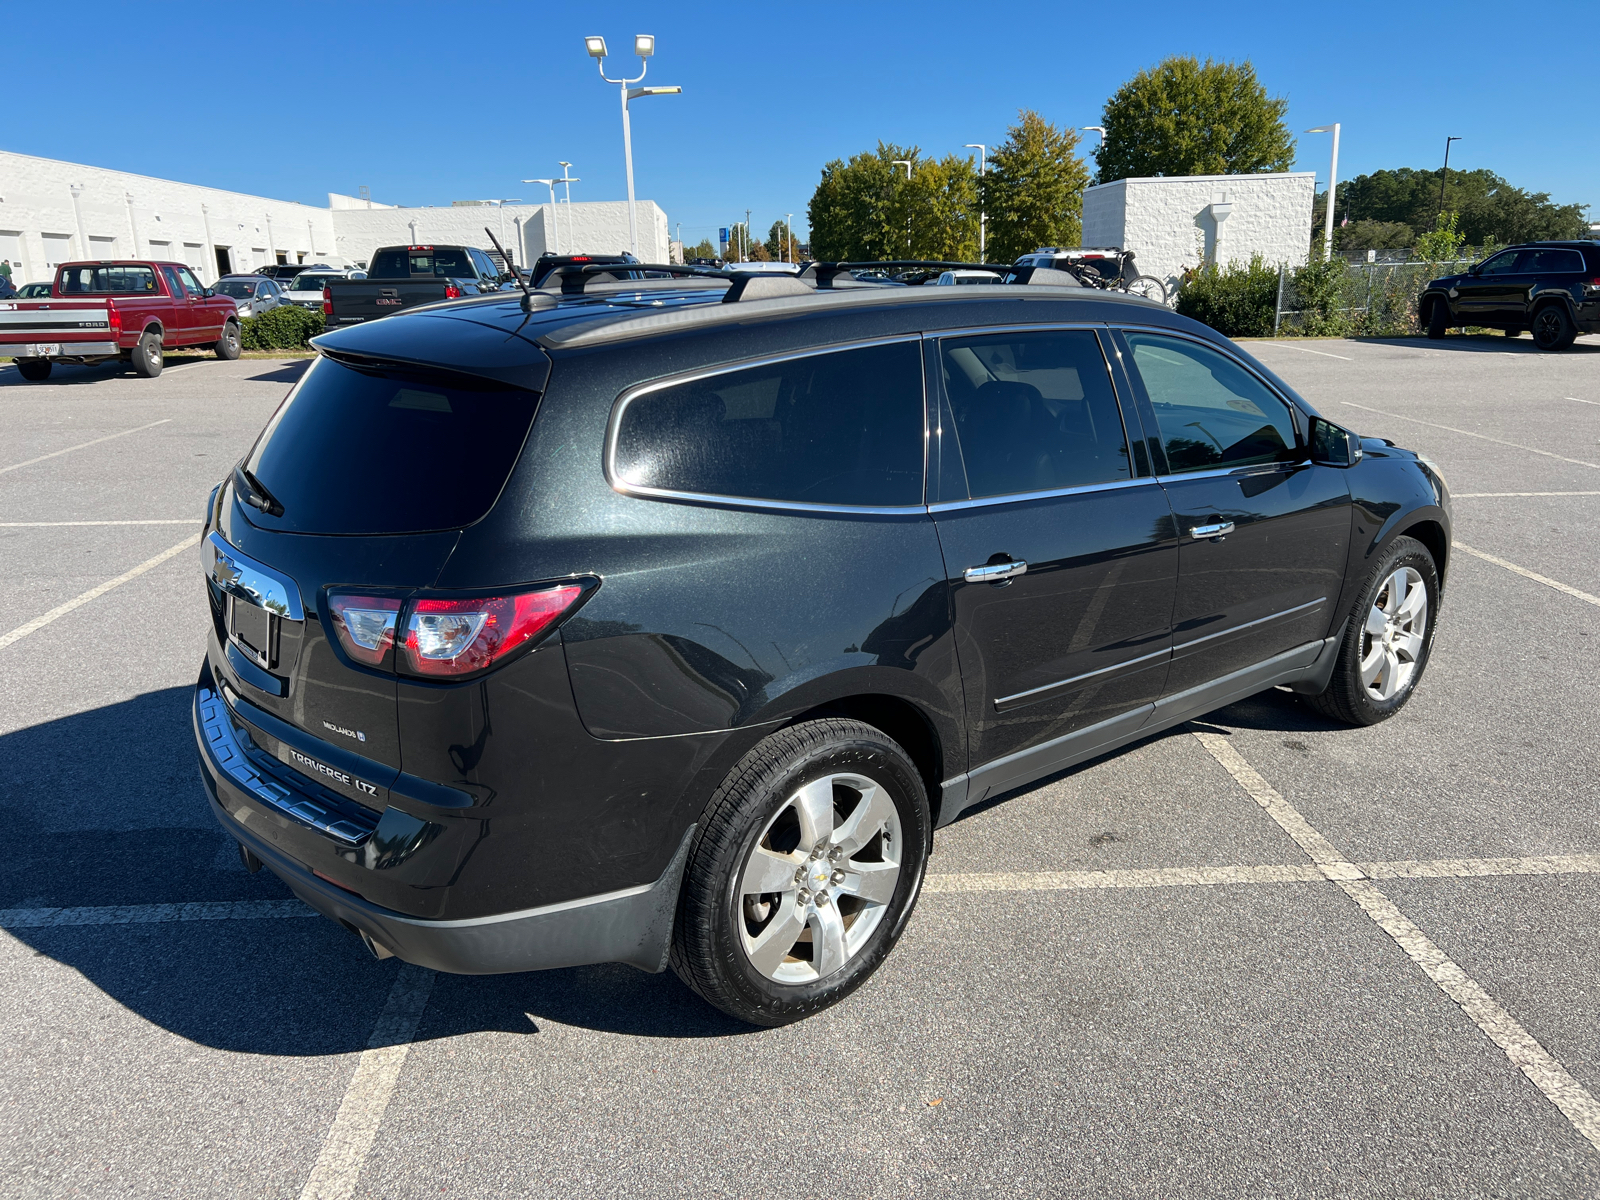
<point x="1185" y="117"/>
<point x="1360" y="236"/>
<point x="780" y="242"/>
<point x="1033" y="192"/>
<point x="1489" y="208"/>
<point x="860" y="208"/>
<point x="704" y="249"/>
<point x="942" y="205"/>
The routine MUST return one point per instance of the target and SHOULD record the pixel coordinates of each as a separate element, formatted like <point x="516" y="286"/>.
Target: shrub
<point x="288" y="327"/>
<point x="1319" y="289"/>
<point x="1237" y="300"/>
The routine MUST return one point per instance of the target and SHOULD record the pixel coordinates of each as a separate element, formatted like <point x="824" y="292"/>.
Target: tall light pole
<point x="501" y="205"/>
<point x="747" y="233"/>
<point x="568" y="178"/>
<point x="1333" y="180"/>
<point x="644" y="45"/>
<point x="555" y="220"/>
<point x="1445" y="174"/>
<point x="983" y="217"/>
<point x="788" y="228"/>
<point x="1100" y="129"/>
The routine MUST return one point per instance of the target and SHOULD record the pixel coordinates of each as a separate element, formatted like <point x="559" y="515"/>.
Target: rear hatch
<point x="351" y="501"/>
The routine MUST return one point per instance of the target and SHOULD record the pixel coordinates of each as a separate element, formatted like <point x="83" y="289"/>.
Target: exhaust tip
<point x="250" y="861"/>
<point x="379" y="951"/>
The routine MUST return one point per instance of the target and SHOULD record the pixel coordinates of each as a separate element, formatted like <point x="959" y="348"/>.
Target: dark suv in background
<point x="663" y="621"/>
<point x="1550" y="288"/>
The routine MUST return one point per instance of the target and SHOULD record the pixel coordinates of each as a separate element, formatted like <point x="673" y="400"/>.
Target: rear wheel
<point x="147" y="360"/>
<point x="34" y="370"/>
<point x="227" y="346"/>
<point x="1387" y="642"/>
<point x="1149" y="287"/>
<point x="1553" y="328"/>
<point x="1438" y="318"/>
<point x="807" y="865"/>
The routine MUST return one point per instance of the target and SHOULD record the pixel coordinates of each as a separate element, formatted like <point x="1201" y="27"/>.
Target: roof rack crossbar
<point x="574" y="278"/>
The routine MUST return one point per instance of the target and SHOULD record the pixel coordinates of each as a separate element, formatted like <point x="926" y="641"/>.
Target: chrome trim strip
<point x="1005" y="702"/>
<point x="245" y="579"/>
<point x="1288" y="612"/>
<point x="1020" y="497"/>
<point x="613" y="425"/>
<point x="222" y="742"/>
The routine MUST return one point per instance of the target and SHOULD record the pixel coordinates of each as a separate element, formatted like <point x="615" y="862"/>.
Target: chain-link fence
<point x="1377" y="299"/>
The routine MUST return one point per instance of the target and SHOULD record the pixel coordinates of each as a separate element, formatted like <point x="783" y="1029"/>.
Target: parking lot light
<point x="644" y="45"/>
<point x="1333" y="179"/>
<point x="596" y="46"/>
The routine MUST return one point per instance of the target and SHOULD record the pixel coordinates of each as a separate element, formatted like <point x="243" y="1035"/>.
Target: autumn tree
<point x="1033" y="192"/>
<point x="1185" y="117"/>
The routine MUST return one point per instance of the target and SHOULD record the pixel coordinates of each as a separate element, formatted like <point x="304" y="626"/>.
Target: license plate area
<point x="255" y="631"/>
<point x="49" y="349"/>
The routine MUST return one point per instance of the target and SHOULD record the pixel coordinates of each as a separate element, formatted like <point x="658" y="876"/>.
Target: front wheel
<point x="808" y="862"/>
<point x="147" y="360"/>
<point x="1388" y="638"/>
<point x="227" y="346"/>
<point x="1147" y="286"/>
<point x="34" y="370"/>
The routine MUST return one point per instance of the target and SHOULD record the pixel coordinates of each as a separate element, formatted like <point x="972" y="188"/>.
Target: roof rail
<point x="574" y="278"/>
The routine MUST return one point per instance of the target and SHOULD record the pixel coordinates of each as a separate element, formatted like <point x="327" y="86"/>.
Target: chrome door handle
<point x="994" y="572"/>
<point x="1219" y="531"/>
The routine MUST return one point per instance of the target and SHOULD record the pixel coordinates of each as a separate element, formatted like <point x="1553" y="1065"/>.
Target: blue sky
<point x="428" y="103"/>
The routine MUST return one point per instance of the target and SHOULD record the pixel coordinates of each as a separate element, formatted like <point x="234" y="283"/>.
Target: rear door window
<point x="839" y="428"/>
<point x="1212" y="413"/>
<point x="1035" y="412"/>
<point x="364" y="452"/>
<point x="1550" y="262"/>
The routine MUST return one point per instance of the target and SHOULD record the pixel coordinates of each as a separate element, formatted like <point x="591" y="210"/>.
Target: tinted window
<point x="843" y="427"/>
<point x="1034" y="411"/>
<point x="397" y="264"/>
<point x="237" y="288"/>
<point x="1552" y="261"/>
<point x="353" y="452"/>
<point x="311" y="283"/>
<point x="1501" y="264"/>
<point x="1212" y="412"/>
<point x="108" y="281"/>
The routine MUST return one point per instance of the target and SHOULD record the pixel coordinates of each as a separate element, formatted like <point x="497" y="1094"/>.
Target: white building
<point x="1182" y="221"/>
<point x="53" y="212"/>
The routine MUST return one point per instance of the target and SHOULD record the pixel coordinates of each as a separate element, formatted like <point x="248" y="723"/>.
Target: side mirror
<point x="210" y="292"/>
<point x="1333" y="445"/>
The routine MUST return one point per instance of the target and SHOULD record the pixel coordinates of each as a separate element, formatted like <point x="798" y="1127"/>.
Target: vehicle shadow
<point x="287" y="372"/>
<point x="105" y="808"/>
<point x="77" y="375"/>
<point x="1481" y="343"/>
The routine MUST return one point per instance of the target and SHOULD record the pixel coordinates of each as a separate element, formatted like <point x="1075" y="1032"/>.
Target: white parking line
<point x="1524" y="1051"/>
<point x="1304" y="350"/>
<point x="1468" y="433"/>
<point x="76" y="524"/>
<point x="61" y="610"/>
<point x="1490" y="495"/>
<point x="1527" y="574"/>
<point x="350" y="1139"/>
<point x="1580" y="400"/>
<point x="82" y="446"/>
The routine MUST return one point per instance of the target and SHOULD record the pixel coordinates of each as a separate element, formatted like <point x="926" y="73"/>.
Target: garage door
<point x="102" y="247"/>
<point x="57" y="250"/>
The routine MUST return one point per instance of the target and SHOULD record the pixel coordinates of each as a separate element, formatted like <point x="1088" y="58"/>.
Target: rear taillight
<point x="445" y="638"/>
<point x="365" y="625"/>
<point x="115" y="319"/>
<point x="452" y="292"/>
<point x="327" y="302"/>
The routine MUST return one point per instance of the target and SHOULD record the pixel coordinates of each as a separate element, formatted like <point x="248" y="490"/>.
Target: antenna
<point x="528" y="304"/>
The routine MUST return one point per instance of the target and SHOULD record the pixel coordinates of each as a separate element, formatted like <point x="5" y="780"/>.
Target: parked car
<point x="305" y="289"/>
<point x="127" y="308"/>
<point x="402" y="277"/>
<point x="253" y="294"/>
<point x="649" y="625"/>
<point x="546" y="263"/>
<point x="1551" y="288"/>
<point x="32" y="291"/>
<point x="282" y="273"/>
<point x="966" y="278"/>
<point x="7" y="288"/>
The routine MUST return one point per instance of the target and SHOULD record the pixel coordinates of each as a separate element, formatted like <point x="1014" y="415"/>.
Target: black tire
<point x="1512" y="333"/>
<point x="146" y="358"/>
<point x="227" y="347"/>
<point x="1438" y="318"/>
<point x="1553" y="328"/>
<point x="34" y="370"/>
<point x="1346" y="698"/>
<point x="708" y="951"/>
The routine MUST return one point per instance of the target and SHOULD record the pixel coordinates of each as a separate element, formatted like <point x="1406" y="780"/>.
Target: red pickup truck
<point x="128" y="310"/>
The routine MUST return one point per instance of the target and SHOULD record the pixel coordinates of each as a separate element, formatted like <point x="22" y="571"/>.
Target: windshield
<point x="239" y="289"/>
<point x="310" y="283"/>
<point x="107" y="281"/>
<point x="443" y="261"/>
<point x="358" y="452"/>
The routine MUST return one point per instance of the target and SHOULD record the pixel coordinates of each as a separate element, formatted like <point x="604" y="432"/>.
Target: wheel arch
<point x="903" y="721"/>
<point x="1432" y="535"/>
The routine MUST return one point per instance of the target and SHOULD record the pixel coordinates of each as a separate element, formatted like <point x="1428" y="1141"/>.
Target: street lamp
<point x="555" y="219"/>
<point x="501" y="205"/>
<point x="1333" y="179"/>
<point x="983" y="217"/>
<point x="788" y="228"/>
<point x="644" y="45"/>
<point x="1100" y="129"/>
<point x="568" y="178"/>
<point x="1445" y="174"/>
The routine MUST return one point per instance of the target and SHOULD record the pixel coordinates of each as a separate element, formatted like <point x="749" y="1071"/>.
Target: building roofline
<point x="1205" y="178"/>
<point x="158" y="179"/>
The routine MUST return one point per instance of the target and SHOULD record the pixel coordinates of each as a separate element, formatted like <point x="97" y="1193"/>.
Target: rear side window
<point x="1553" y="261"/>
<point x="838" y="428"/>
<point x="1211" y="411"/>
<point x="358" y="452"/>
<point x="108" y="281"/>
<point x="1034" y="412"/>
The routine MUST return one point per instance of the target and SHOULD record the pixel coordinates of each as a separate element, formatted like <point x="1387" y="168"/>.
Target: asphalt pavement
<point x="1259" y="955"/>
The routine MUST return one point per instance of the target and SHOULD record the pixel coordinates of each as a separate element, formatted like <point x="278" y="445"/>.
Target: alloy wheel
<point x="1396" y="632"/>
<point x="819" y="879"/>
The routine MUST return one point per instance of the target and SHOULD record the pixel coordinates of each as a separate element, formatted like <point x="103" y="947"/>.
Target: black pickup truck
<point x="403" y="277"/>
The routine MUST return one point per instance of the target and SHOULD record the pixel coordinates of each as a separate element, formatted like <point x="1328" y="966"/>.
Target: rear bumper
<point x="61" y="349"/>
<point x="633" y="925"/>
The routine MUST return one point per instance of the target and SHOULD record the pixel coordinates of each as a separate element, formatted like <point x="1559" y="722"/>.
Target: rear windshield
<point x="311" y="283"/>
<point x="358" y="452"/>
<point x="107" y="281"/>
<point x="397" y="264"/>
